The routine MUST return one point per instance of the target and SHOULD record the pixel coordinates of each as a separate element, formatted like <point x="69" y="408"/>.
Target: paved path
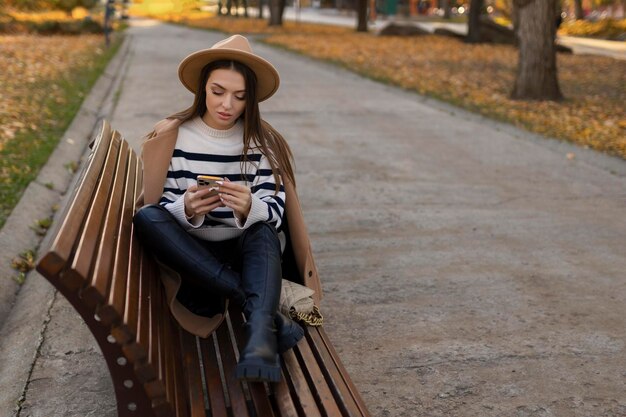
<point x="470" y="268"/>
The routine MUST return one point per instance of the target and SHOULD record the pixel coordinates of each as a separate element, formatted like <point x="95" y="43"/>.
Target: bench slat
<point x="97" y="289"/>
<point x="113" y="310"/>
<point x="154" y="389"/>
<point x="346" y="394"/>
<point x="286" y="407"/>
<point x="121" y="331"/>
<point x="162" y="408"/>
<point x="299" y="385"/>
<point x="81" y="265"/>
<point x="142" y="327"/>
<point x="214" y="386"/>
<point x="176" y="360"/>
<point x="235" y="391"/>
<point x="194" y="379"/>
<point x="317" y="381"/>
<point x="136" y="348"/>
<point x="149" y="367"/>
<point x="126" y="330"/>
<point x="166" y="401"/>
<point x="66" y="231"/>
<point x="155" y="348"/>
<point x="262" y="404"/>
<point x="173" y="381"/>
<point x="167" y="358"/>
<point x="161" y="359"/>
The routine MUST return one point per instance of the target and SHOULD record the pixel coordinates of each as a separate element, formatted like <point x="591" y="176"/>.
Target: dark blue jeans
<point x="211" y="271"/>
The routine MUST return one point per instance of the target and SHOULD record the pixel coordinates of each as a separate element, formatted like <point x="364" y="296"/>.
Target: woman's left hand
<point x="237" y="197"/>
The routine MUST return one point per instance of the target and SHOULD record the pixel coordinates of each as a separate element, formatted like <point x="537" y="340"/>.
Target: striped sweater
<point x="201" y="149"/>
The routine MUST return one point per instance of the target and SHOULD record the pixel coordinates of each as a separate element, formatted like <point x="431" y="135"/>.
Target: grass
<point x="39" y="103"/>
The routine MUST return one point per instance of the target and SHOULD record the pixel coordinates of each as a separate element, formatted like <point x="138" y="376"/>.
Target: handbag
<point x="296" y="301"/>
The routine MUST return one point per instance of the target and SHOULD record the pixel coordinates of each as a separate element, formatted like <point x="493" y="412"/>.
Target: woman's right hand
<point x="198" y="202"/>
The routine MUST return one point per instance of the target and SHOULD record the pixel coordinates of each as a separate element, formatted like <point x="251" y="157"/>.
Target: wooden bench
<point x="157" y="368"/>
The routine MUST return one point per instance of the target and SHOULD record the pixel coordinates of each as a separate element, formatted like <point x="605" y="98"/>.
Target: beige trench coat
<point x="157" y="150"/>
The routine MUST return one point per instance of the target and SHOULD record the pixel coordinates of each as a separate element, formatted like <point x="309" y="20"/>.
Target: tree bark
<point x="515" y="20"/>
<point x="578" y="9"/>
<point x="277" y="7"/>
<point x="361" y="24"/>
<point x="473" y="32"/>
<point x="445" y="5"/>
<point x="536" y="71"/>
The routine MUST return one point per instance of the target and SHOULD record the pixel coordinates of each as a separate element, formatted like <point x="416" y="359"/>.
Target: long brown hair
<point x="256" y="131"/>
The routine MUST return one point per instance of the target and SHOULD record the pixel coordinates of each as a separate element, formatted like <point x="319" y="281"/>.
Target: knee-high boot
<point x="170" y="243"/>
<point x="261" y="282"/>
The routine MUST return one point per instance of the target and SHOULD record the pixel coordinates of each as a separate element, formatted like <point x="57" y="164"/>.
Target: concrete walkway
<point x="469" y="268"/>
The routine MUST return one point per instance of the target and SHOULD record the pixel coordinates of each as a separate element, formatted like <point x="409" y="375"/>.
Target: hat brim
<point x="190" y="68"/>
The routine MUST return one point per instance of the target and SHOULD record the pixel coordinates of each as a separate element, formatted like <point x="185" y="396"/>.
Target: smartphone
<point x="205" y="181"/>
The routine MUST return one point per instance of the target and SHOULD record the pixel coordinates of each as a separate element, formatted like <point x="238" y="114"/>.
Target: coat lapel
<point x="300" y="242"/>
<point x="156" y="154"/>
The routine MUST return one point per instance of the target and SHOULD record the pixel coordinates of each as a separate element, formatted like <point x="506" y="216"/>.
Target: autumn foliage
<point x="603" y="29"/>
<point x="42" y="83"/>
<point x="477" y="77"/>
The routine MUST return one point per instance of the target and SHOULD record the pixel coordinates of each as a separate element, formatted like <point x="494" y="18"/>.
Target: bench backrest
<point x="97" y="265"/>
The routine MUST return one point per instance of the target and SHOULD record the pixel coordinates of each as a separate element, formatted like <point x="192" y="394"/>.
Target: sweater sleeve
<point x="175" y="204"/>
<point x="267" y="205"/>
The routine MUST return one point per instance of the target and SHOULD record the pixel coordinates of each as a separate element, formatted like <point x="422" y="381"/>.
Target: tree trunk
<point x="445" y="5"/>
<point x="515" y="20"/>
<point x="578" y="9"/>
<point x="361" y="10"/>
<point x="473" y="32"/>
<point x="536" y="70"/>
<point x="283" y="4"/>
<point x="277" y="7"/>
<point x="261" y="3"/>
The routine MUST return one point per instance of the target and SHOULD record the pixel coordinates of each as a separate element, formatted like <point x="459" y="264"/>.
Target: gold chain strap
<point x="314" y="318"/>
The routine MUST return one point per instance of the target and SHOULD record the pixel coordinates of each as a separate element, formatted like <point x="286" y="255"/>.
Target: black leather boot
<point x="288" y="331"/>
<point x="261" y="282"/>
<point x="171" y="244"/>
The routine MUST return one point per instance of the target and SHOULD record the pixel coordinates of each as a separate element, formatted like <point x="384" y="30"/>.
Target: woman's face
<point x="225" y="98"/>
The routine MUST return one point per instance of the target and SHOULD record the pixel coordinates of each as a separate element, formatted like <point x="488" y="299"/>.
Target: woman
<point x="225" y="242"/>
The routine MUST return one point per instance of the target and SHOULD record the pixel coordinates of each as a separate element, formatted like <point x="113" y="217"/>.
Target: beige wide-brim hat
<point x="236" y="48"/>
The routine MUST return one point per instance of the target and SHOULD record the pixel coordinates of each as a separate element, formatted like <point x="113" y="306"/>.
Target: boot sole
<point x="258" y="372"/>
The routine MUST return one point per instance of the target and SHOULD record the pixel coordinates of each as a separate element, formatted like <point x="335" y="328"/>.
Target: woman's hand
<point x="237" y="197"/>
<point x="198" y="202"/>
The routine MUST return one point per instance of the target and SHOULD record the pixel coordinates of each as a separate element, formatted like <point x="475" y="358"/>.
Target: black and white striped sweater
<point x="201" y="149"/>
